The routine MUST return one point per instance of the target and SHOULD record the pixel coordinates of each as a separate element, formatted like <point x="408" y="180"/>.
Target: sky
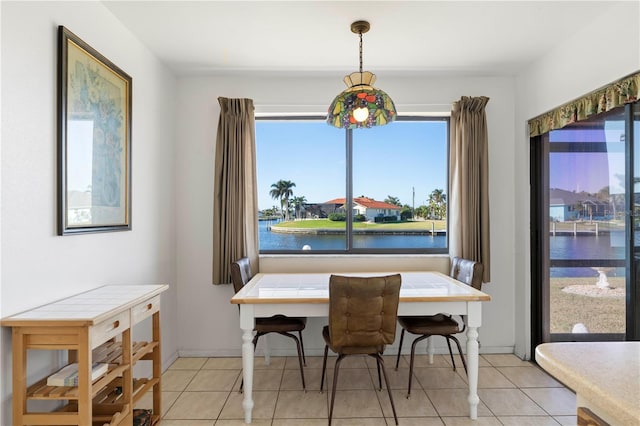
<point x="589" y="171"/>
<point x="390" y="160"/>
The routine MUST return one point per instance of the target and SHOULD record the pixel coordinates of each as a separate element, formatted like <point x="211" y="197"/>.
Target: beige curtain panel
<point x="469" y="180"/>
<point x="624" y="91"/>
<point x="235" y="200"/>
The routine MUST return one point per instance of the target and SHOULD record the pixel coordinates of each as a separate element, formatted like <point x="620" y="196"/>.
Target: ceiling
<point x="292" y="37"/>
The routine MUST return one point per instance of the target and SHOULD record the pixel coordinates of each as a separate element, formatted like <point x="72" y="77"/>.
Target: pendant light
<point x="361" y="104"/>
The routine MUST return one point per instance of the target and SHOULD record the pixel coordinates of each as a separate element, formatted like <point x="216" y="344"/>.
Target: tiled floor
<point x="204" y="391"/>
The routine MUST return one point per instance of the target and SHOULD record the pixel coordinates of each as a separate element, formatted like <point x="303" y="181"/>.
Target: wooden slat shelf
<point x="40" y="389"/>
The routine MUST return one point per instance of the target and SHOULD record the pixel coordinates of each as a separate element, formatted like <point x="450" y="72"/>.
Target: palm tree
<point x="438" y="203"/>
<point x="393" y="200"/>
<point x="298" y="202"/>
<point x="282" y="191"/>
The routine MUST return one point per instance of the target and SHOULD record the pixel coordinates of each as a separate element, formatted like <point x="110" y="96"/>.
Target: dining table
<point x="307" y="295"/>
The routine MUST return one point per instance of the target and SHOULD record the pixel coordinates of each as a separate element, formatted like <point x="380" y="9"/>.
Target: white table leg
<point x="431" y="349"/>
<point x="472" y="366"/>
<point x="265" y="349"/>
<point x="247" y="323"/>
<point x="474" y="320"/>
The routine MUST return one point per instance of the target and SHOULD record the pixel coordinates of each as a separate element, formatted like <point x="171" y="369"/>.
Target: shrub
<point x="337" y="217"/>
<point x="359" y="218"/>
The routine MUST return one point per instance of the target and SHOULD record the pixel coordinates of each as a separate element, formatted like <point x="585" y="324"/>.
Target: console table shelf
<point x="92" y="327"/>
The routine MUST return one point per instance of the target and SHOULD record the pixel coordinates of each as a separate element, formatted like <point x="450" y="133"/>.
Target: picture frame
<point x="94" y="140"/>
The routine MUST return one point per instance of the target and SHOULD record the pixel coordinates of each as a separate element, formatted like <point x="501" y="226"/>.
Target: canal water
<point x="603" y="246"/>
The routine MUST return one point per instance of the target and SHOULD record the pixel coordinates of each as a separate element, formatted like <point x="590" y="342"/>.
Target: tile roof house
<point x="368" y="207"/>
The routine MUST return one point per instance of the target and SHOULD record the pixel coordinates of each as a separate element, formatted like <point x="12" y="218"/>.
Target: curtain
<point x="469" y="180"/>
<point x="620" y="92"/>
<point x="235" y="199"/>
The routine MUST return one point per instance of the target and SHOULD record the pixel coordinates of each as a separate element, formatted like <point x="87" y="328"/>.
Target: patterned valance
<point x="618" y="93"/>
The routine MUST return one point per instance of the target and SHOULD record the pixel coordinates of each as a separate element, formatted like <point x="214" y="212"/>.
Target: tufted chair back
<point x="240" y="273"/>
<point x="363" y="311"/>
<point x="467" y="271"/>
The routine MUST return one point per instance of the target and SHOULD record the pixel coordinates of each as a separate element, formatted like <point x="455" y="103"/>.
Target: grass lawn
<point x="329" y="224"/>
<point x="599" y="314"/>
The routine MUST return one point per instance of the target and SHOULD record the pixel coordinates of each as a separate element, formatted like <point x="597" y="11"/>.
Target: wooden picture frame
<point x="94" y="140"/>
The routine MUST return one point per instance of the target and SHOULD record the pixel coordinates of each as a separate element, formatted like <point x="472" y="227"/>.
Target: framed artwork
<point x="94" y="140"/>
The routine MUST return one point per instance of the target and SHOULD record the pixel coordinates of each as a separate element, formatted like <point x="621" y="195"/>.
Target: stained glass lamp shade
<point x="361" y="104"/>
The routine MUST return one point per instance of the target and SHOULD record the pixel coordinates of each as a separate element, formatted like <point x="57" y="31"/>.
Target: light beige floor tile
<point x="528" y="421"/>
<point x="566" y="420"/>
<point x="466" y="421"/>
<point x="254" y="422"/>
<point x="263" y="408"/>
<point x="353" y="361"/>
<point x="197" y="406"/>
<point x="555" y="401"/>
<point x="397" y="379"/>
<point x="291" y="362"/>
<point x="301" y="405"/>
<point x="291" y="379"/>
<point x="489" y="377"/>
<point x="417" y="405"/>
<point x="267" y="379"/>
<point x="459" y="366"/>
<point x="422" y="361"/>
<point x="529" y="377"/>
<point x="275" y="363"/>
<point x="359" y="422"/>
<point x="351" y="379"/>
<point x="355" y="404"/>
<point x="509" y="402"/>
<point x="213" y="380"/>
<point x="167" y="400"/>
<point x="389" y="361"/>
<point x="438" y="378"/>
<point x="223" y="364"/>
<point x="299" y="422"/>
<point x="187" y="423"/>
<point x="177" y="380"/>
<point x="453" y="402"/>
<point x="415" y="421"/>
<point x="505" y="360"/>
<point x="188" y="364"/>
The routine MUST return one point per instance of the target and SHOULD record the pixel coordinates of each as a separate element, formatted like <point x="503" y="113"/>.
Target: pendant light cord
<point x="360" y="52"/>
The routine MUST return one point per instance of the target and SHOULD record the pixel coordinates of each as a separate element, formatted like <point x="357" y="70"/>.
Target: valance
<point x="618" y="93"/>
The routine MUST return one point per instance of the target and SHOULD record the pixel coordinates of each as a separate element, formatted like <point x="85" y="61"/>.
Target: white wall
<point x="208" y="321"/>
<point x="601" y="52"/>
<point x="38" y="266"/>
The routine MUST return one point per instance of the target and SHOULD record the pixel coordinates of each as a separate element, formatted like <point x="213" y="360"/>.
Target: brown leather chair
<point x="466" y="271"/>
<point x="240" y="275"/>
<point x="362" y="320"/>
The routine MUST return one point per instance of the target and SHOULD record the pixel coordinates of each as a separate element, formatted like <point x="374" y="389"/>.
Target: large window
<point x="327" y="190"/>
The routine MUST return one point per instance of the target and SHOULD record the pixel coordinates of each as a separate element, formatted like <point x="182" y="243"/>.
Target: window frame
<point x="349" y="249"/>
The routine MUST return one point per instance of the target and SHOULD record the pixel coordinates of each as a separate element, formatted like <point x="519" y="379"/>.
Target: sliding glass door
<point x="584" y="251"/>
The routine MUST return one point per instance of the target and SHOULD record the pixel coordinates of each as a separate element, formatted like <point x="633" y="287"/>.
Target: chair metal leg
<point x="335" y="385"/>
<point x="464" y="363"/>
<point x="379" y="378"/>
<point x="300" y="355"/>
<point x="304" y="360"/>
<point x="386" y="380"/>
<point x="399" y="348"/>
<point x="413" y="354"/>
<point x="324" y="367"/>
<point x="451" y="353"/>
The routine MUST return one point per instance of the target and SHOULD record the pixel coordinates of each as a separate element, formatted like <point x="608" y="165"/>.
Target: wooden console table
<point x="94" y="326"/>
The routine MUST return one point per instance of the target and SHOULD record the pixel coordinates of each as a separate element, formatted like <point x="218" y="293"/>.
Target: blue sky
<point x="590" y="171"/>
<point x="388" y="160"/>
